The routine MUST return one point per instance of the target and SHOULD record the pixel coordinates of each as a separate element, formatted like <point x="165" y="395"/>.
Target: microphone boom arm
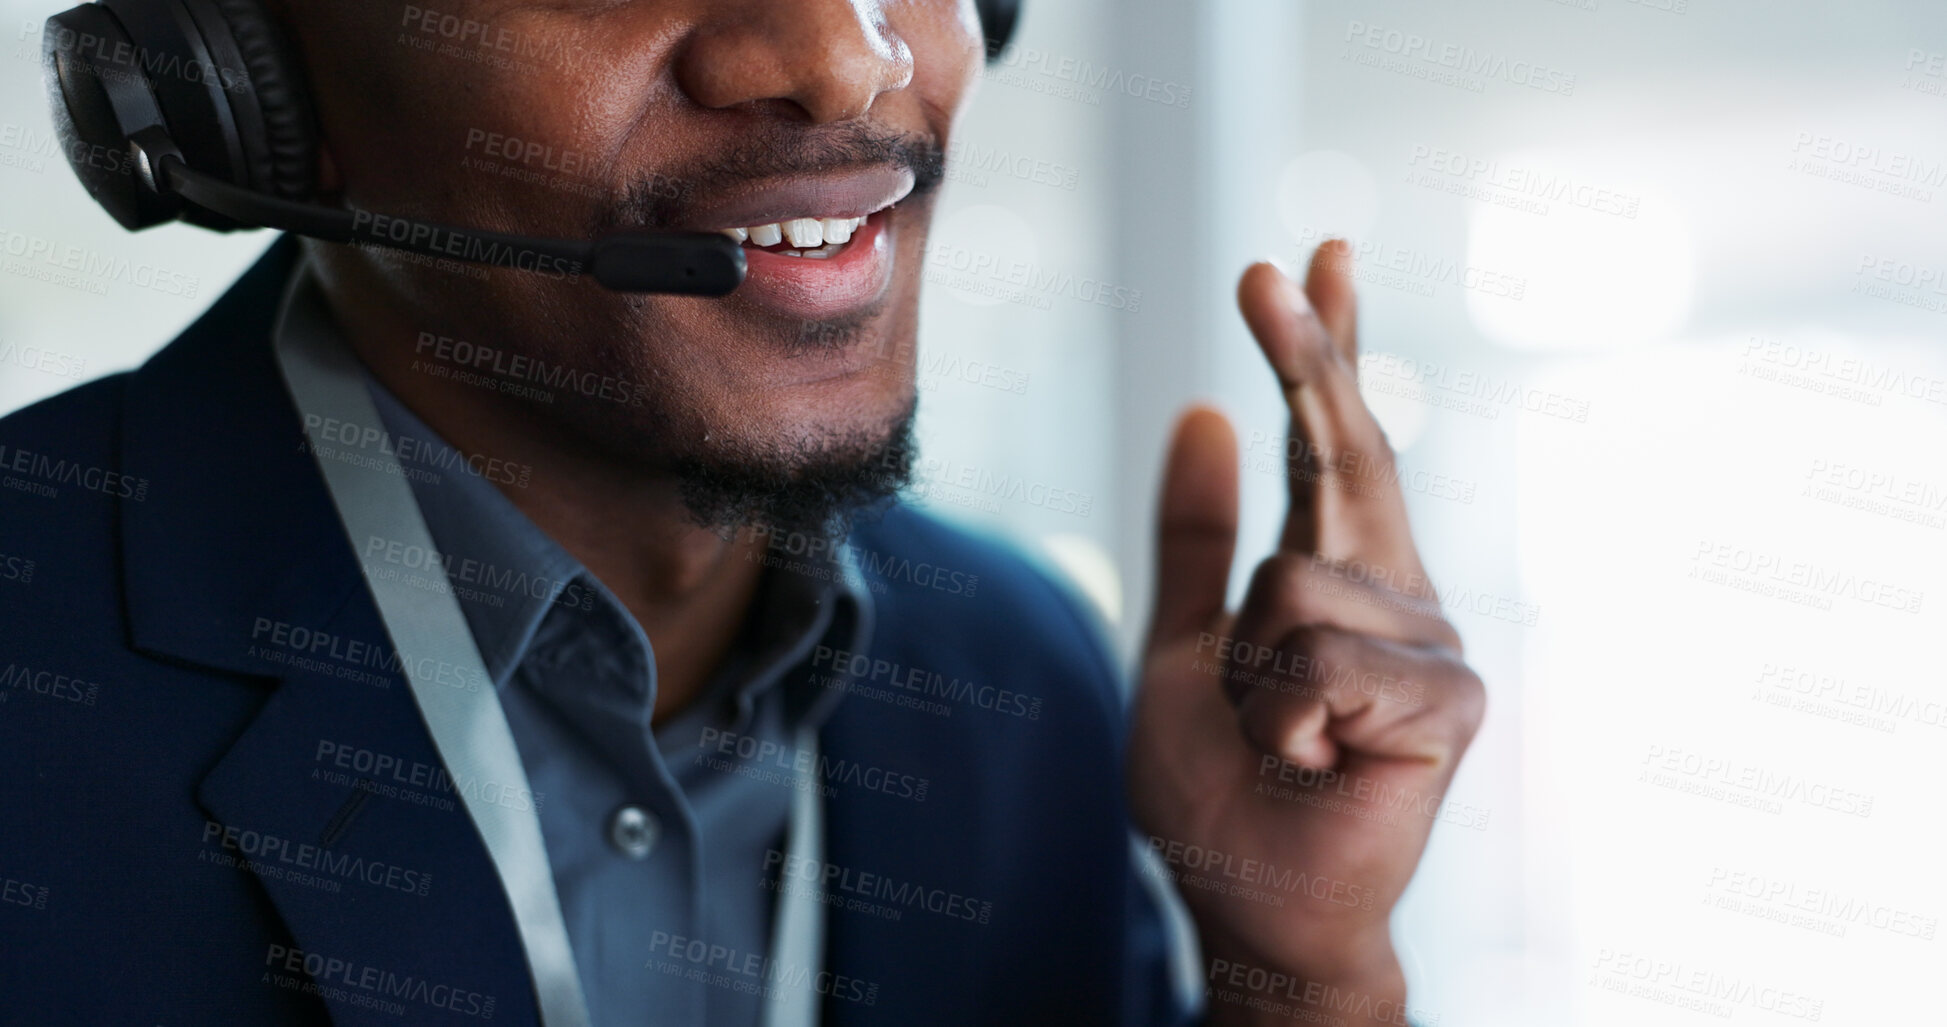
<point x="683" y="263"/>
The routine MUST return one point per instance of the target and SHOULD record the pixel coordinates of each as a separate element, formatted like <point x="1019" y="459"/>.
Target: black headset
<point x="197" y="110"/>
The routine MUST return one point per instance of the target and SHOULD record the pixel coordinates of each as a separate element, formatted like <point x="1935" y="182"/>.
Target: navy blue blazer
<point x="176" y="851"/>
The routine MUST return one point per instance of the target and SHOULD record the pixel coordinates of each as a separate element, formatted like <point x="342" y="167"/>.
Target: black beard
<point x="816" y="488"/>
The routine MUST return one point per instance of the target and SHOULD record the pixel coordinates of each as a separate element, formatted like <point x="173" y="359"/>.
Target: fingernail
<point x="1283" y="266"/>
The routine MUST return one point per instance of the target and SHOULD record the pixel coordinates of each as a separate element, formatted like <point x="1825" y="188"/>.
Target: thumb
<point x="1196" y="526"/>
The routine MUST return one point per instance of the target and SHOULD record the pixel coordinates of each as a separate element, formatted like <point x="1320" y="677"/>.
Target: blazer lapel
<point x="334" y="795"/>
<point x="339" y="800"/>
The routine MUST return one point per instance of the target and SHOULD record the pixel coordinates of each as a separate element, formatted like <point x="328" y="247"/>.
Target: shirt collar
<point x="506" y="572"/>
<point x="509" y="576"/>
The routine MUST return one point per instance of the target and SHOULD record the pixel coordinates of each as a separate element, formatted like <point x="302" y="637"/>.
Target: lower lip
<point x="815" y="289"/>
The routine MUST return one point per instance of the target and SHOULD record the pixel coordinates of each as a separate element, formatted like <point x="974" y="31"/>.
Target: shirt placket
<point x="599" y="675"/>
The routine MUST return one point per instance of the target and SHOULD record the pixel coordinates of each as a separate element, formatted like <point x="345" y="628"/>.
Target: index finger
<point x="1345" y="497"/>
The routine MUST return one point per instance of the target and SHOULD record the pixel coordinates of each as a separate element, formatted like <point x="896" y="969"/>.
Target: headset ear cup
<point x="97" y="104"/>
<point x="283" y="131"/>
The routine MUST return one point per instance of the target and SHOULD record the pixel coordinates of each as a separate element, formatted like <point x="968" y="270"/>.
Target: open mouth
<point x="816" y="247"/>
<point x="813" y="238"/>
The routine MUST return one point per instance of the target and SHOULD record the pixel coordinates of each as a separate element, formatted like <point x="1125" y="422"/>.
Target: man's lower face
<point x="766" y="412"/>
<point x="800" y="381"/>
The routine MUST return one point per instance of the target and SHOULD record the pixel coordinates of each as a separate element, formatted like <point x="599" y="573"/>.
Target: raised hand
<point x="1289" y="759"/>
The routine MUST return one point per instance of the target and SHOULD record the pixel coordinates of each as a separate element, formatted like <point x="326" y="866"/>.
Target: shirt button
<point x="633" y="831"/>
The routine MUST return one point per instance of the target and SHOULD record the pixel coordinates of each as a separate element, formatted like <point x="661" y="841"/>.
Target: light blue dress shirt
<point x="577" y="678"/>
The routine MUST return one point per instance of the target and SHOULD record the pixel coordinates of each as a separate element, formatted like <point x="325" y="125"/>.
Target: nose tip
<point x="855" y="77"/>
<point x="825" y="60"/>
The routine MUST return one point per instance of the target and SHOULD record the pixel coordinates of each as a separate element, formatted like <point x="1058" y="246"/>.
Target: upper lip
<point x="851" y="194"/>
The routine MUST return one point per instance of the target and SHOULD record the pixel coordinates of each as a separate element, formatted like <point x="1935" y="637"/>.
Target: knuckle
<point x="1327" y="648"/>
<point x="1375" y="455"/>
<point x="1270" y="576"/>
<point x="1383" y="453"/>
<point x="1468" y="696"/>
<point x="1312" y="339"/>
<point x="1280" y="588"/>
<point x="1298" y="586"/>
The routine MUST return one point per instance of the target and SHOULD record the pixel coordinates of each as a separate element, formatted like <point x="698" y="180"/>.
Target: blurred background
<point x="1654" y="296"/>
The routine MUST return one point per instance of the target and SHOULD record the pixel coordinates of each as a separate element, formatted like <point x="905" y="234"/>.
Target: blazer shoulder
<point x="968" y="591"/>
<point x="61" y="468"/>
<point x="86" y="414"/>
<point x="61" y="486"/>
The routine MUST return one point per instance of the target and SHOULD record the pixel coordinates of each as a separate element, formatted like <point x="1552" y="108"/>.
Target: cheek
<point x="533" y="124"/>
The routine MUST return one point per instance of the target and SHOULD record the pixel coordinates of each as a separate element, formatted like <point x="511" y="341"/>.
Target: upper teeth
<point x="803" y="232"/>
